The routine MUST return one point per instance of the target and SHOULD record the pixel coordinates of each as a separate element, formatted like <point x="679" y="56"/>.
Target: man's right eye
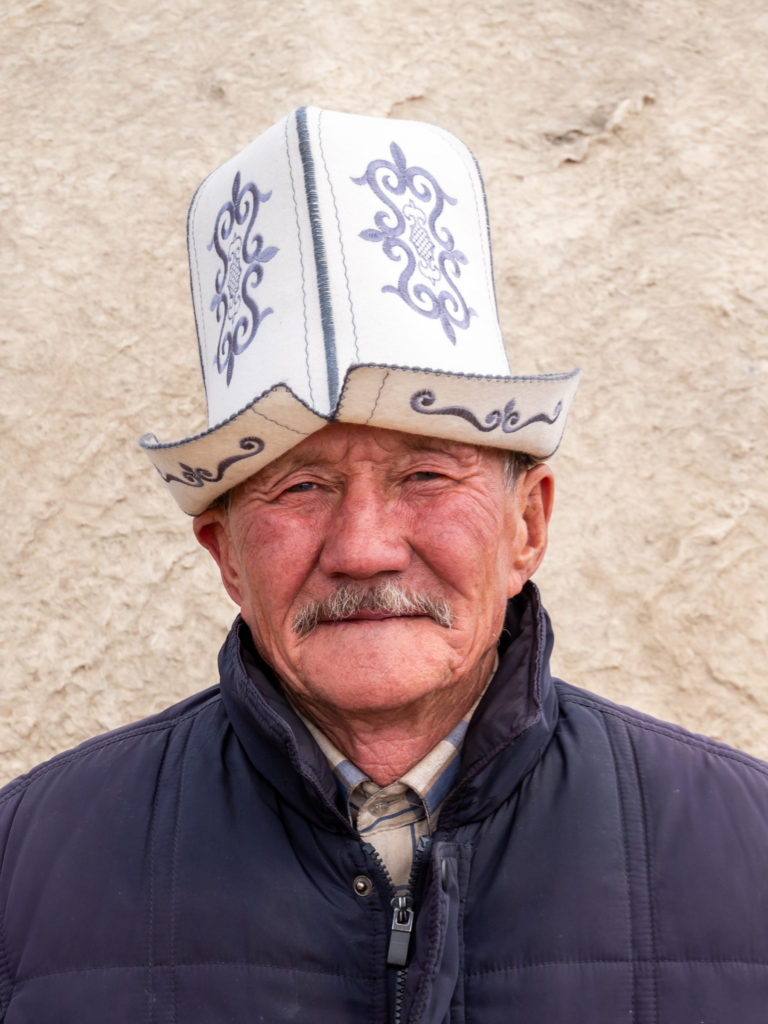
<point x="300" y="487"/>
<point x="422" y="475"/>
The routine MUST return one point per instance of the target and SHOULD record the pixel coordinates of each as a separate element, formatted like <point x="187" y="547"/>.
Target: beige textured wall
<point x="624" y="146"/>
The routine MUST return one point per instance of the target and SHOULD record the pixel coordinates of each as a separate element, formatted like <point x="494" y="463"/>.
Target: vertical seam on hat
<point x="202" y="349"/>
<point x="277" y="423"/>
<point x="483" y="219"/>
<point x="323" y="286"/>
<point x="489" y="271"/>
<point x="378" y="396"/>
<point x="301" y="263"/>
<point x="341" y="240"/>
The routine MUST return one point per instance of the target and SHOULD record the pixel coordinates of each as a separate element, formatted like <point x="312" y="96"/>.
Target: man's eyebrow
<point x="437" y="445"/>
<point x="281" y="467"/>
<point x="414" y="445"/>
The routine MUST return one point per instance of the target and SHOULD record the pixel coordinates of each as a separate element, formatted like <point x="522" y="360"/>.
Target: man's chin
<point x="374" y="664"/>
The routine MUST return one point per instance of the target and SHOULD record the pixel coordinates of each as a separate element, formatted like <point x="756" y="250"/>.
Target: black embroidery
<point x="508" y="418"/>
<point x="410" y="235"/>
<point x="243" y="254"/>
<point x="199" y="477"/>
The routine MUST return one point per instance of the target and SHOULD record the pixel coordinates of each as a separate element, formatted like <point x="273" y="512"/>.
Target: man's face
<point x="354" y="507"/>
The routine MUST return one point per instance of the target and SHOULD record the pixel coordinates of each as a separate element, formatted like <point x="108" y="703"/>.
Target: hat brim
<point x="525" y="414"/>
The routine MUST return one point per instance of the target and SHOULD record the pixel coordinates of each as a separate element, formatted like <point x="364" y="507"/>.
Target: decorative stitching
<point x="543" y="379"/>
<point x="508" y="419"/>
<point x="199" y="477"/>
<point x="194" y="276"/>
<point x="242" y="268"/>
<point x="301" y="263"/>
<point x="277" y="423"/>
<point x="481" y="207"/>
<point x="149" y="441"/>
<point x="321" y="266"/>
<point x="338" y="228"/>
<point x="378" y="396"/>
<point x="410" y="231"/>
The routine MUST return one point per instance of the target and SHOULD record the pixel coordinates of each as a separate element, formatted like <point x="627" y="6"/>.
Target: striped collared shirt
<point x="394" y="818"/>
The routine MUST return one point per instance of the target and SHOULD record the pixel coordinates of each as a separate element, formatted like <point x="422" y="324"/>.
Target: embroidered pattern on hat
<point x="243" y="255"/>
<point x="508" y="418"/>
<point x="199" y="477"/>
<point x="408" y="230"/>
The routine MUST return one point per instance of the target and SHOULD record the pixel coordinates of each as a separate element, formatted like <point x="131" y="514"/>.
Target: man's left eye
<point x="300" y="487"/>
<point x="424" y="474"/>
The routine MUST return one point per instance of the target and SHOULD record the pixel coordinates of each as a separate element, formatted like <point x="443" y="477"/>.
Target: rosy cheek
<point x="283" y="549"/>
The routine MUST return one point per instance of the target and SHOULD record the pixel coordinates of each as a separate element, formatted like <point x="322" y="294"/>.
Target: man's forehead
<point x="331" y="443"/>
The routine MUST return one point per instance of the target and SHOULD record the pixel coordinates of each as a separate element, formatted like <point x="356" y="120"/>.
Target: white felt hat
<point x="341" y="271"/>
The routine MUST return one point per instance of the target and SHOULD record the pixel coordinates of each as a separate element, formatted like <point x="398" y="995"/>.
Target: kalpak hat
<point x="341" y="272"/>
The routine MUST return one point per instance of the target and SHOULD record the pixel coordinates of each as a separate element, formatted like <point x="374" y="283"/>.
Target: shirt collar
<point x="430" y="779"/>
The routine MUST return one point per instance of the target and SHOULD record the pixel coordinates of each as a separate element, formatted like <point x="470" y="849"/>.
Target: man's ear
<point x="213" y="531"/>
<point x="533" y="499"/>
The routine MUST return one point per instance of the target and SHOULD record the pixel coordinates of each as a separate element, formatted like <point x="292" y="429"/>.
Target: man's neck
<point x="384" y="745"/>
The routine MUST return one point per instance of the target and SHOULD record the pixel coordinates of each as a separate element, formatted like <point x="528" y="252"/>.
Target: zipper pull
<point x="400" y="935"/>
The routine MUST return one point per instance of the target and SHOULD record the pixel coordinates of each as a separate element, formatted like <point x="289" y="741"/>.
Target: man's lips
<point x="366" y="615"/>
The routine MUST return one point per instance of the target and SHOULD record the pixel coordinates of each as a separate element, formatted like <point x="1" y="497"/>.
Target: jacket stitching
<point x="659" y="728"/>
<point x="627" y="869"/>
<point x="619" y="962"/>
<point x="164" y="930"/>
<point x="192" y="965"/>
<point x="61" y="760"/>
<point x="6" y="977"/>
<point x="654" y="995"/>
<point x="150" y="965"/>
<point x="174" y="865"/>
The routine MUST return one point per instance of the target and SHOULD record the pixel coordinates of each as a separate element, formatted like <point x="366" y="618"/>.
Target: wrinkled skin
<point x="358" y="505"/>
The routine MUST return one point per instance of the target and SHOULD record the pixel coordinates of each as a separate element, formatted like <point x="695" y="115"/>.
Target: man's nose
<point x="365" y="536"/>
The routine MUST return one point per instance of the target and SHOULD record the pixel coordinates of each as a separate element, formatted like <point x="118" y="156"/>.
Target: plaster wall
<point x="624" y="147"/>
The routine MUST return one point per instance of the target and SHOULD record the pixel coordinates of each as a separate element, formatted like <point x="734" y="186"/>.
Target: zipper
<point x="400" y="933"/>
<point x="402" y="913"/>
<point x="399" y="993"/>
<point x="403" y="916"/>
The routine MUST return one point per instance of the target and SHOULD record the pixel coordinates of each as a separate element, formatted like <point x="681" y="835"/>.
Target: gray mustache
<point x="390" y="597"/>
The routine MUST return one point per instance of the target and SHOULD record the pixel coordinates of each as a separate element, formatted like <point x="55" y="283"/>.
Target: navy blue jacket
<point x="591" y="866"/>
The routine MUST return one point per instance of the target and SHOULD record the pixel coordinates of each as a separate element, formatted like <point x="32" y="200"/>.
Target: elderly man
<point x="388" y="810"/>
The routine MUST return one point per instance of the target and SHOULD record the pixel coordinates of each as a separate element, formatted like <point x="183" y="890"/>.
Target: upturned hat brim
<point x="341" y="272"/>
<point x="525" y="414"/>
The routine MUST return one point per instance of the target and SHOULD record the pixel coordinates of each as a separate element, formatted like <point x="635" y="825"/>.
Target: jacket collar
<point x="515" y="719"/>
<point x="508" y="731"/>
